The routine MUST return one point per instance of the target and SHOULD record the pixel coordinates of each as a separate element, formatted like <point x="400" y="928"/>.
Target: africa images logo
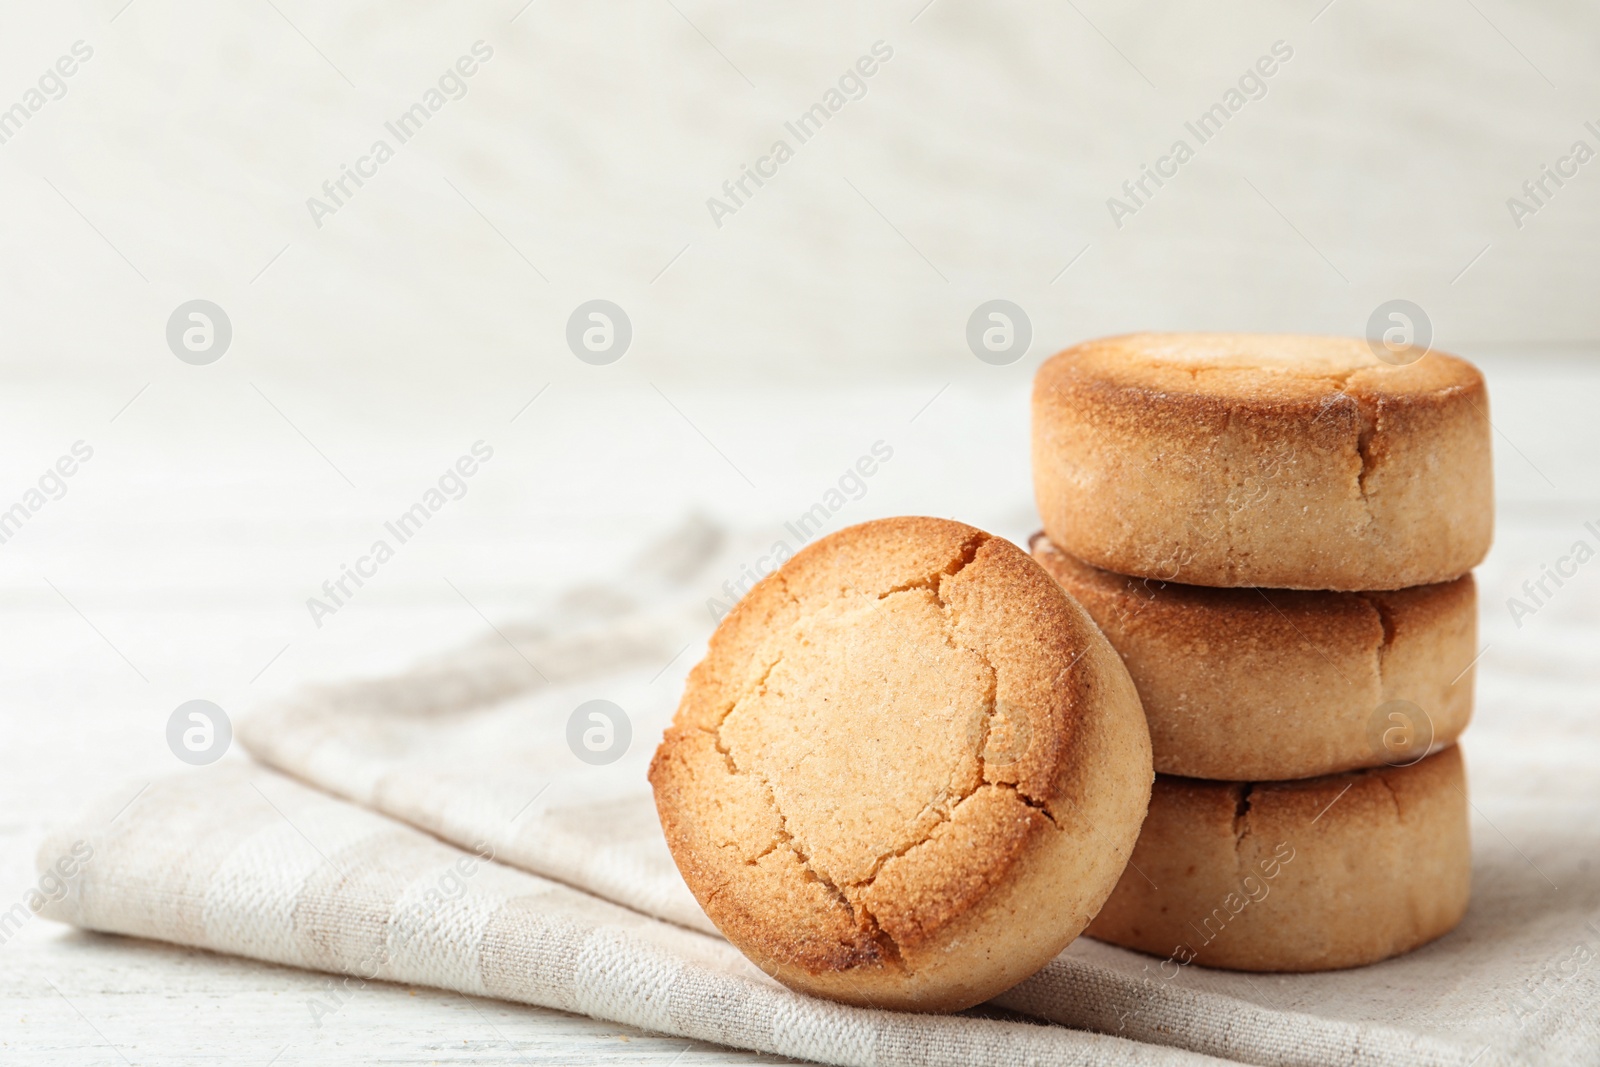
<point x="451" y="85"/>
<point x="851" y="85"/>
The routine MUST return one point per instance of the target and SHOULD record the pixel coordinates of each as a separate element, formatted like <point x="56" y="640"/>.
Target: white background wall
<point x="1377" y="166"/>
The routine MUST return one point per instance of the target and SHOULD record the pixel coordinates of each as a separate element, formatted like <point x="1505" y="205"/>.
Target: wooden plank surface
<point x="179" y="575"/>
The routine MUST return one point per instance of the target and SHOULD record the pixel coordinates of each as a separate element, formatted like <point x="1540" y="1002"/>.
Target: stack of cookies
<point x="917" y="761"/>
<point x="1276" y="534"/>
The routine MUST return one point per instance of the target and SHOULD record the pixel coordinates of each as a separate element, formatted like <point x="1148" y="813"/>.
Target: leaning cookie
<point x="1255" y="684"/>
<point x="908" y="771"/>
<point x="1297" y="876"/>
<point x="1258" y="460"/>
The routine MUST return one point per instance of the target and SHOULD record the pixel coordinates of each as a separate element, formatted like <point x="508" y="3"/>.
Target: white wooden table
<point x="188" y="545"/>
<point x="177" y="566"/>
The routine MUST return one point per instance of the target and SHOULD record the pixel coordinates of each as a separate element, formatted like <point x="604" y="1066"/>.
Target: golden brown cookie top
<point x="1253" y="368"/>
<point x="878" y="734"/>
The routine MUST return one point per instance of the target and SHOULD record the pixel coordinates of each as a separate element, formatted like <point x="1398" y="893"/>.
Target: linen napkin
<point x="477" y="747"/>
<point x="244" y="861"/>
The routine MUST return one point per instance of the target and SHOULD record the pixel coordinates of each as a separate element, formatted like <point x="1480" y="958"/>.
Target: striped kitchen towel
<point x="491" y="749"/>
<point x="240" y="860"/>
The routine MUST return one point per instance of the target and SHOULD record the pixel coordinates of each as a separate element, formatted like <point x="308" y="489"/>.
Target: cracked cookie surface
<point x="856" y="788"/>
<point x="1263" y="460"/>
<point x="908" y="770"/>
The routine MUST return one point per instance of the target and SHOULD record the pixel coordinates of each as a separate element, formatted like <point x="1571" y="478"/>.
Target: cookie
<point x="908" y="771"/>
<point x="1312" y="875"/>
<point x="1263" y="460"/>
<point x="1253" y="684"/>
